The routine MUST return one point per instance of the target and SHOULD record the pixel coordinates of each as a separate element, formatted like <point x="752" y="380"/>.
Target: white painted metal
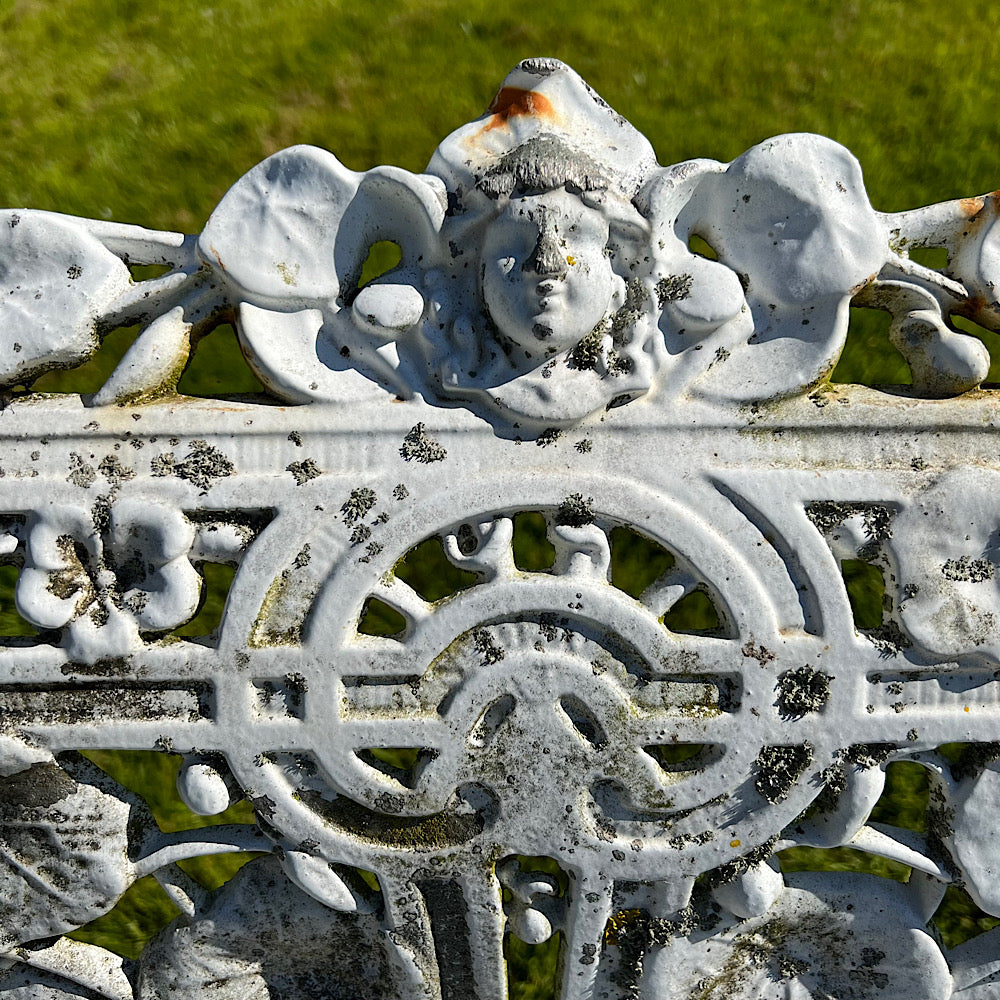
<point x="549" y="342"/>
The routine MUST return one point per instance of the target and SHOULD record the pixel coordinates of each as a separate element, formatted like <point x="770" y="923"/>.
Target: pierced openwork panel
<point x="573" y="618"/>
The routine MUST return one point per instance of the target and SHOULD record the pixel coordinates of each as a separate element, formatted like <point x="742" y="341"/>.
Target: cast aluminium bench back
<point x="564" y="761"/>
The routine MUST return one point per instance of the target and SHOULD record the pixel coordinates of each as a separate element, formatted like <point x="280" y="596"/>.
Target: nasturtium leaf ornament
<point x="973" y="806"/>
<point x="65" y="970"/>
<point x="791" y="216"/>
<point x="947" y="557"/>
<point x="64" y="848"/>
<point x="815" y="942"/>
<point x="58" y="281"/>
<point x="290" y="239"/>
<point x="274" y="233"/>
<point x="310" y="949"/>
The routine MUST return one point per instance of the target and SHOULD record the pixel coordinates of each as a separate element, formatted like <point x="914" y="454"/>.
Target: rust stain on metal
<point x="512" y="102"/>
<point x="215" y="254"/>
<point x="971" y="207"/>
<point x="864" y="283"/>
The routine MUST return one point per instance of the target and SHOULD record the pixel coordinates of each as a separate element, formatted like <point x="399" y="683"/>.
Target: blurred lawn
<point x="146" y="113"/>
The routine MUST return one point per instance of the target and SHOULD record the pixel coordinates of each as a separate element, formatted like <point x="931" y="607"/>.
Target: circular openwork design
<point x="617" y="714"/>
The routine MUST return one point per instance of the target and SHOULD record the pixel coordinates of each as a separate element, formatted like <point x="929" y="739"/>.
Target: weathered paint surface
<point x="543" y="746"/>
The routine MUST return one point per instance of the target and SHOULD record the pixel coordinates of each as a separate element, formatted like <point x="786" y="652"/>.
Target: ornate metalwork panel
<point x="541" y="625"/>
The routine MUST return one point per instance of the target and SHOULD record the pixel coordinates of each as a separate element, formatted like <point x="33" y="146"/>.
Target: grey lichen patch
<point x="834" y="780"/>
<point x="817" y="949"/>
<point x="684" y="840"/>
<point x="630" y="313"/>
<point x="549" y="436"/>
<point x="828" y="515"/>
<point x="296" y="438"/>
<point x="635" y="932"/>
<point x="575" y="511"/>
<point x="372" y="549"/>
<point x="486" y="647"/>
<point x="202" y="465"/>
<point x="721" y="354"/>
<point x="940" y="829"/>
<point x="968" y="570"/>
<point x="740" y="866"/>
<point x="867" y="755"/>
<point x="284" y="697"/>
<point x="360" y="533"/>
<point x="73" y="578"/>
<point x="619" y="365"/>
<point x="358" y="505"/>
<point x="888" y="638"/>
<point x="400" y="492"/>
<point x="802" y="690"/>
<point x="418" y="446"/>
<point x="80" y="703"/>
<point x="112" y="469"/>
<point x="163" y="465"/>
<point x="80" y="473"/>
<point x="759" y="653"/>
<point x="865" y="974"/>
<point x="100" y="512"/>
<point x="587" y="354"/>
<point x="673" y="288"/>
<point x="137" y="602"/>
<point x="779" y="768"/>
<point x="303" y="471"/>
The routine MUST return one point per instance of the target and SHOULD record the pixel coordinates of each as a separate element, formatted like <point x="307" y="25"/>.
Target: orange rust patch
<point x="864" y="283"/>
<point x="971" y="207"/>
<point x="511" y="102"/>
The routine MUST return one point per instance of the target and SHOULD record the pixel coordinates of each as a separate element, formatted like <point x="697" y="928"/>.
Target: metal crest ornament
<point x="581" y="349"/>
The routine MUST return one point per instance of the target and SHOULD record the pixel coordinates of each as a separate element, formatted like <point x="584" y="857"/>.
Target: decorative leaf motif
<point x="275" y="232"/>
<point x="66" y="970"/>
<point x="60" y="280"/>
<point x="815" y="942"/>
<point x="791" y="216"/>
<point x="973" y="843"/>
<point x="64" y="848"/>
<point x="259" y="937"/>
<point x="947" y="582"/>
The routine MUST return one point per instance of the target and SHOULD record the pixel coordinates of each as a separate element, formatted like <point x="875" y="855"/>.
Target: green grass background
<point x="145" y="112"/>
